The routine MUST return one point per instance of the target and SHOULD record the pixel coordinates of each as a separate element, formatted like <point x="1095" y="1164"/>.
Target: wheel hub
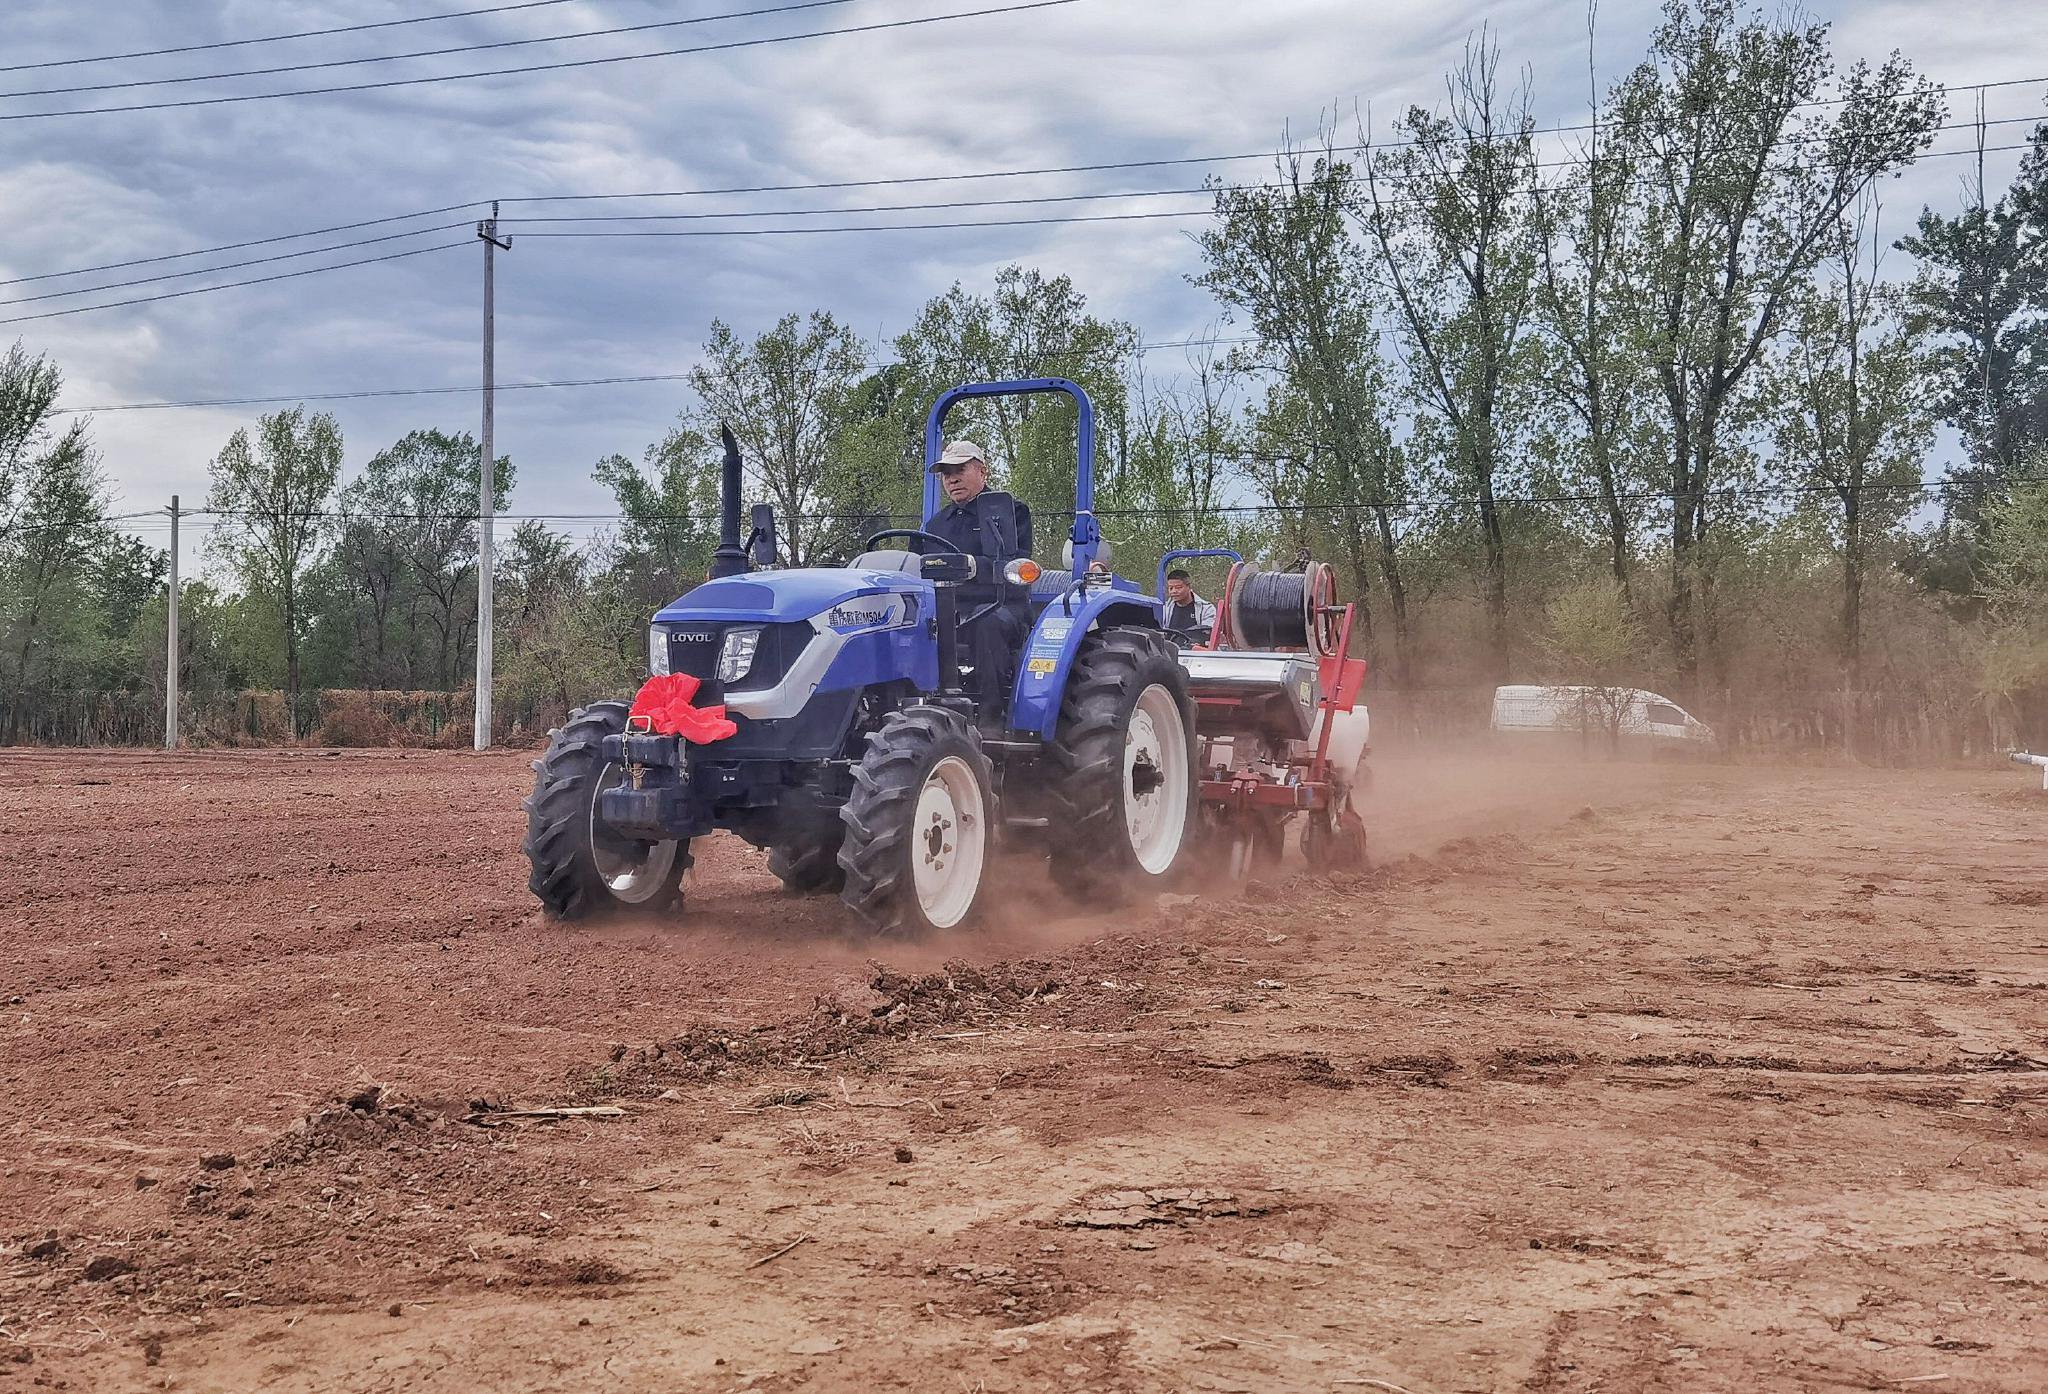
<point x="1156" y="777"/>
<point x="948" y="843"/>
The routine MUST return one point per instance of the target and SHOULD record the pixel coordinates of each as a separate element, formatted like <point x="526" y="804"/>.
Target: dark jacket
<point x="992" y="526"/>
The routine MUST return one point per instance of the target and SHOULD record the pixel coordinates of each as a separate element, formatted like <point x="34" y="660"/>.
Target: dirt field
<point x="1611" y="1077"/>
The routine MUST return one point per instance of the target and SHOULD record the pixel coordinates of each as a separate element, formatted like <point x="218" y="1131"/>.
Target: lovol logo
<point x="857" y="618"/>
<point x="692" y="636"/>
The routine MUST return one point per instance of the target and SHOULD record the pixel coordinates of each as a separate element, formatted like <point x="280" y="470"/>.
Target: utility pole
<point x="486" y="501"/>
<point x="171" y="639"/>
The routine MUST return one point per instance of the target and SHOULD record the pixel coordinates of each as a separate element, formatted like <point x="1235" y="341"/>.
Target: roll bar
<point x="1085" y="533"/>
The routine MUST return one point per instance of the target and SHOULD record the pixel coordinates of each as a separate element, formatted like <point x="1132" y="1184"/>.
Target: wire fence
<point x="1873" y="727"/>
<point x="323" y="717"/>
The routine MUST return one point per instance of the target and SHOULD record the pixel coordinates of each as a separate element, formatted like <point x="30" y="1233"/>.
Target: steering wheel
<point x="917" y="535"/>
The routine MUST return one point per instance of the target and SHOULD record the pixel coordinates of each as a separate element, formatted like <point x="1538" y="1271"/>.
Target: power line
<point x="362" y="393"/>
<point x="882" y="227"/>
<point x="1036" y="198"/>
<point x="145" y="521"/>
<point x="725" y="47"/>
<point x="994" y="222"/>
<point x="930" y="206"/>
<point x="425" y="52"/>
<point x="1110" y="165"/>
<point x="238" y="246"/>
<point x="280" y="38"/>
<point x="813" y="186"/>
<point x="231" y="285"/>
<point x="717" y="232"/>
<point x="233" y="265"/>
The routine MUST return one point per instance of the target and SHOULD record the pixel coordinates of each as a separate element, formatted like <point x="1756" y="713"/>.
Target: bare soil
<point x="1610" y="1076"/>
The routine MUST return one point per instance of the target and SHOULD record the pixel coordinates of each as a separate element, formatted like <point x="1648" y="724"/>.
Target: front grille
<point x="693" y="649"/>
<point x="694" y="645"/>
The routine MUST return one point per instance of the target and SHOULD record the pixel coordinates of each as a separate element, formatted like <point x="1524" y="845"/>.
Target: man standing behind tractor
<point x="996" y="529"/>
<point x="1188" y="616"/>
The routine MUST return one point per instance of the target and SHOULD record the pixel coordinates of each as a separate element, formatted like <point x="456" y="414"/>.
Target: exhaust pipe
<point x="730" y="559"/>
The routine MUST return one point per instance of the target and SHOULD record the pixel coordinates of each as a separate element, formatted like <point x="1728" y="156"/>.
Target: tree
<point x="556" y="650"/>
<point x="1582" y="227"/>
<point x="2015" y="655"/>
<point x="1450" y="215"/>
<point x="1856" y="421"/>
<point x="671" y="514"/>
<point x="273" y="496"/>
<point x="1282" y="256"/>
<point x="433" y="477"/>
<point x="786" y="398"/>
<point x="1745" y="175"/>
<point x="1033" y="325"/>
<point x="1982" y="294"/>
<point x="52" y="530"/>
<point x="1593" y="642"/>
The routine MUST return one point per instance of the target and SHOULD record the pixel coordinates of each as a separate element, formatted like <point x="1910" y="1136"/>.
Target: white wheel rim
<point x="1156" y="780"/>
<point x="948" y="843"/>
<point x="633" y="877"/>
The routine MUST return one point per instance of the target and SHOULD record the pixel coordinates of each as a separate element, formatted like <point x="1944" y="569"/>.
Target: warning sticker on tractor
<point x="1042" y="667"/>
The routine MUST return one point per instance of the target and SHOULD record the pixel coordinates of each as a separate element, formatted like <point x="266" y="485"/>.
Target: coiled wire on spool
<point x="1282" y="609"/>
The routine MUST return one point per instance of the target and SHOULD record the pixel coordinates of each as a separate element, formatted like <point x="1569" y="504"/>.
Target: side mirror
<point x="761" y="544"/>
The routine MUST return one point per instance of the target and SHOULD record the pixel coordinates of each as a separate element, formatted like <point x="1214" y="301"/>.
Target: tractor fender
<point x="1056" y="638"/>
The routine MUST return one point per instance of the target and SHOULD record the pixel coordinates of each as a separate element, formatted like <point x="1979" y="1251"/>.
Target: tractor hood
<point x="781" y="596"/>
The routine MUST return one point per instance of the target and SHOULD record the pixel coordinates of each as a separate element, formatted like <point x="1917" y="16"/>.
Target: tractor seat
<point x="893" y="560"/>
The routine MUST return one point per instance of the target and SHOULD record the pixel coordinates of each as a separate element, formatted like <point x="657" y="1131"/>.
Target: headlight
<point x="737" y="656"/>
<point x="657" y="651"/>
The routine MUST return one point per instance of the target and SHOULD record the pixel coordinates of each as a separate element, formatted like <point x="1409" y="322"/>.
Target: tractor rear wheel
<point x="810" y="866"/>
<point x="580" y="867"/>
<point x="1122" y="759"/>
<point x="920" y="824"/>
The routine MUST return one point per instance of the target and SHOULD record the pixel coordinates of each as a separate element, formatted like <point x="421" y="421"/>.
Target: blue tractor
<point x="865" y="759"/>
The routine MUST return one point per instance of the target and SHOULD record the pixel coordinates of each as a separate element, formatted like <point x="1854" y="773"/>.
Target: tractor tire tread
<point x="878" y="814"/>
<point x="556" y="814"/>
<point x="1085" y="757"/>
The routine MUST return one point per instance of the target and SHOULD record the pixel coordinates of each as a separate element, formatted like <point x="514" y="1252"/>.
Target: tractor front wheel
<point x="1123" y="789"/>
<point x="920" y="825"/>
<point x="580" y="867"/>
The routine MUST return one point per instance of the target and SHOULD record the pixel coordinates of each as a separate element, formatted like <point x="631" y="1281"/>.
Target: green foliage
<point x="1032" y="325"/>
<point x="274" y="496"/>
<point x="397" y="585"/>
<point x="788" y="397"/>
<point x="1979" y="298"/>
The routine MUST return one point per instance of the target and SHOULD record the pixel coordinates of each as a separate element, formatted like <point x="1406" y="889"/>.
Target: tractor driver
<point x="995" y="529"/>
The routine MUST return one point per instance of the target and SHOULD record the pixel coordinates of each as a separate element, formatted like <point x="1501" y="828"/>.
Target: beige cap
<point x="959" y="453"/>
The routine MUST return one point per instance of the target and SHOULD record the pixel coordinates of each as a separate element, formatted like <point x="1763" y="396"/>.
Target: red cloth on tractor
<point x="665" y="702"/>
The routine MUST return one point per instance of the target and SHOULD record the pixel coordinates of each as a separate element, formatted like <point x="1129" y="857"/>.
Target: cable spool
<point x="1282" y="609"/>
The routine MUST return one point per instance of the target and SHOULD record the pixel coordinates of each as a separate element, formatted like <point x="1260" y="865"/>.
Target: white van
<point x="1595" y="712"/>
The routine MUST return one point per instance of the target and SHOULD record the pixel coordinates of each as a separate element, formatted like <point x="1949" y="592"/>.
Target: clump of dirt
<point x="1170" y="1205"/>
<point x="587" y="1270"/>
<point x="1082" y="989"/>
<point x="1525" y="1062"/>
<point x="1016" y="1297"/>
<point x="1429" y="1071"/>
<point x="1304" y="1066"/>
<point x="364" y="1117"/>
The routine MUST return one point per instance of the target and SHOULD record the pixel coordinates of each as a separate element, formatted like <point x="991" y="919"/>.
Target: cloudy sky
<point x="1083" y="82"/>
